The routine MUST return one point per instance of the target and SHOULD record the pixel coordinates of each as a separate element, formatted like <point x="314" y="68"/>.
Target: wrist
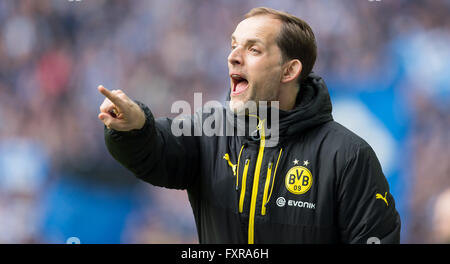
<point x="140" y="120"/>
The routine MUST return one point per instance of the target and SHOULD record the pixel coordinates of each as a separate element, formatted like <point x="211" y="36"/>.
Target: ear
<point x="292" y="71"/>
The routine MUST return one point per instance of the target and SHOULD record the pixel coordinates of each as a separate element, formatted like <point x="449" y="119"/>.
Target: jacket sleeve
<point x="366" y="210"/>
<point x="154" y="154"/>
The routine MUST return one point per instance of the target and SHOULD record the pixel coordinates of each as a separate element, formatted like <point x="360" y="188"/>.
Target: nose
<point x="235" y="57"/>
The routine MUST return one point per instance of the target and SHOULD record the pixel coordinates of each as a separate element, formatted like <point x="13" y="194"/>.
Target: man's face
<point x="254" y="62"/>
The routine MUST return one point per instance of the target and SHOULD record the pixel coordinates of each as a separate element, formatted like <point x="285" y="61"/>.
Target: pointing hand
<point x="119" y="112"/>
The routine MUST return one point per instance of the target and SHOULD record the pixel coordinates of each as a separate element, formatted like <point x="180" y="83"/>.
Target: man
<point x="319" y="184"/>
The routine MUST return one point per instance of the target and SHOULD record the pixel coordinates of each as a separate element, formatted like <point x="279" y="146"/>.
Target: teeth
<point x="237" y="77"/>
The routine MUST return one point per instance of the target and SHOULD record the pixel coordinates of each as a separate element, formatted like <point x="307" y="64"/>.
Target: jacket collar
<point x="312" y="108"/>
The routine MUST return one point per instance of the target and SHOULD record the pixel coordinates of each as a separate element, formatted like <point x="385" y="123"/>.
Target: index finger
<point x="108" y="94"/>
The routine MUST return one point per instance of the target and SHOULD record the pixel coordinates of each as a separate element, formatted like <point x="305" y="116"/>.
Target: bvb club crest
<point x="298" y="180"/>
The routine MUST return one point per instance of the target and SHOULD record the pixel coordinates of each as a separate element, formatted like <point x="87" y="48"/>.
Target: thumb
<point x="106" y="119"/>
<point x="102" y="116"/>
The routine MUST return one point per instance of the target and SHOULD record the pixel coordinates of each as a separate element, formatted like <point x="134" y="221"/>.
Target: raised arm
<point x="147" y="147"/>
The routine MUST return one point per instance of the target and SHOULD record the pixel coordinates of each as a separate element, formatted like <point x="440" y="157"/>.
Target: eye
<point x="233" y="47"/>
<point x="254" y="50"/>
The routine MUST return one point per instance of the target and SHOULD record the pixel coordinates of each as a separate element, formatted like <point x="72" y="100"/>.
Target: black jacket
<point x="320" y="184"/>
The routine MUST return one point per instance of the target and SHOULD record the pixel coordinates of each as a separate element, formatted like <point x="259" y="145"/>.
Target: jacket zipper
<point x="251" y="221"/>
<point x="273" y="181"/>
<point x="235" y="167"/>
<point x="266" y="188"/>
<point x="243" y="186"/>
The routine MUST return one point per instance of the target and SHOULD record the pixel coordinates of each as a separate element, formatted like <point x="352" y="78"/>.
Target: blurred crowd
<point x="54" y="53"/>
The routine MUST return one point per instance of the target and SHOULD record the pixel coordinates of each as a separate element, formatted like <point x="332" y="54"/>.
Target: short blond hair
<point x="296" y="39"/>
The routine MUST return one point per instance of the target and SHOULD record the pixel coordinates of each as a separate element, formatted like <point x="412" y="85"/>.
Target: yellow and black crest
<point x="298" y="180"/>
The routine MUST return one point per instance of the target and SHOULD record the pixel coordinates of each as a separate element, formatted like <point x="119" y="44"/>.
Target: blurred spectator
<point x="23" y="173"/>
<point x="430" y="169"/>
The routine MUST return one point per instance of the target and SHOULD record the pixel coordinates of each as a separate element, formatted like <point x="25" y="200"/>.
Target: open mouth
<point x="240" y="84"/>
